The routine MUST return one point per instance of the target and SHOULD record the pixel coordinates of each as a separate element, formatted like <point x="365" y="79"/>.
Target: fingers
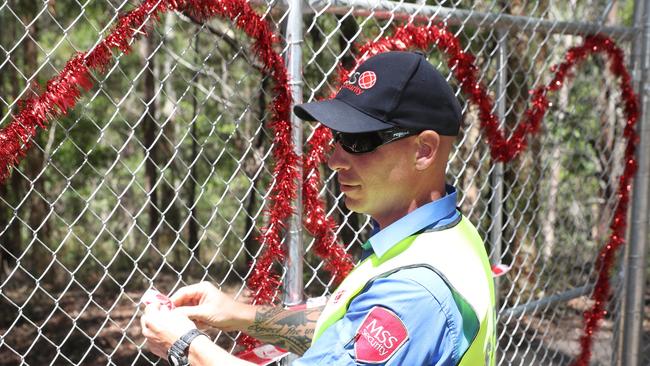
<point x="196" y="314"/>
<point x="157" y="349"/>
<point x="192" y="294"/>
<point x="192" y="312"/>
<point x="149" y="322"/>
<point x="202" y="325"/>
<point x="154" y="306"/>
<point x="143" y="325"/>
<point x="145" y="322"/>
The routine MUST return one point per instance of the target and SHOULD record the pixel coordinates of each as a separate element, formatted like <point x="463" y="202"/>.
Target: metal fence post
<point x="635" y="278"/>
<point x="496" y="177"/>
<point x="293" y="284"/>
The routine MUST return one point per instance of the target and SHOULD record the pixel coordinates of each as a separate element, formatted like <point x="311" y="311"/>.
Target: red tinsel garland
<point x="502" y="149"/>
<point x="64" y="90"/>
<point x="337" y="260"/>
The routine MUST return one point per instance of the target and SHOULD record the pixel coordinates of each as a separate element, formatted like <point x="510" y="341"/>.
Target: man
<point x="423" y="292"/>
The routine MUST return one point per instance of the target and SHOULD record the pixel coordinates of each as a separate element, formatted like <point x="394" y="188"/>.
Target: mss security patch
<point x="380" y="336"/>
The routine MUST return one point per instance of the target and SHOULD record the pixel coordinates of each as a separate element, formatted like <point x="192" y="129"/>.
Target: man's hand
<point x="207" y="306"/>
<point x="163" y="327"/>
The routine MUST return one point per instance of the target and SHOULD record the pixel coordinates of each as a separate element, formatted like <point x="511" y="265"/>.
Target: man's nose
<point x="338" y="159"/>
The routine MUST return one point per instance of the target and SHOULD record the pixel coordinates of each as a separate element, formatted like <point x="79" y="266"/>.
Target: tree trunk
<point x="150" y="129"/>
<point x="608" y="149"/>
<point x="548" y="224"/>
<point x="16" y="190"/>
<point x="10" y="245"/>
<point x="165" y="151"/>
<point x="349" y="30"/>
<point x="193" y="229"/>
<point x="251" y="167"/>
<point x="38" y="206"/>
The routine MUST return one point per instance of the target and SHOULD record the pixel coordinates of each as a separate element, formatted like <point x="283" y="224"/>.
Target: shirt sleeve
<point x="425" y="306"/>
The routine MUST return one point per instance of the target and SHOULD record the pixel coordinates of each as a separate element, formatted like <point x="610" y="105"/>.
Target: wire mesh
<point x="160" y="175"/>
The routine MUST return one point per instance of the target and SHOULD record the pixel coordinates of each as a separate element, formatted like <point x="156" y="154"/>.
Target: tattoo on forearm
<point x="289" y="329"/>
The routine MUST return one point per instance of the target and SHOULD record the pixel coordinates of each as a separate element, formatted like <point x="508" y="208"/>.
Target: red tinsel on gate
<point x="462" y="65"/>
<point x="336" y="260"/>
<point x="63" y="91"/>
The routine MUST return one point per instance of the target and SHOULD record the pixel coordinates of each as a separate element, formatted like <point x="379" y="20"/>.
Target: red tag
<point x="263" y="355"/>
<point x="499" y="270"/>
<point x="379" y="337"/>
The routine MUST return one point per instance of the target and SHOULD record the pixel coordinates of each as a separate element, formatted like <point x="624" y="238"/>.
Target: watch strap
<point x="190" y="335"/>
<point x="177" y="354"/>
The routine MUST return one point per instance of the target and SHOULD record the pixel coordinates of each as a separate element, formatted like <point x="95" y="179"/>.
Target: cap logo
<point x="380" y="336"/>
<point x="359" y="82"/>
<point x="367" y="80"/>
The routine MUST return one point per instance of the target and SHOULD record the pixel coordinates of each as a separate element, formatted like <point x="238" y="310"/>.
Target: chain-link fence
<point x="160" y="174"/>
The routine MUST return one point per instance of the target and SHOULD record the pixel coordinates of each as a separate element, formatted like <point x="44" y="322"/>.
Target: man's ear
<point x="428" y="143"/>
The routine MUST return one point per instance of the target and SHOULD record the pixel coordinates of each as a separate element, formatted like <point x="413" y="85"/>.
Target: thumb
<point x="188" y="295"/>
<point x="192" y="312"/>
<point x="198" y="314"/>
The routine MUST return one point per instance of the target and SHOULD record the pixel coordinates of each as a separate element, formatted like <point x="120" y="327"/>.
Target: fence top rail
<point x="385" y="9"/>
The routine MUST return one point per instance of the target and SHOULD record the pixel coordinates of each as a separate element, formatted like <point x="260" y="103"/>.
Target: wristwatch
<point x="177" y="354"/>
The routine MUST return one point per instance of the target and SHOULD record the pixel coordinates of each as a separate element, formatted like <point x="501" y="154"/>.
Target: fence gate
<point x="160" y="175"/>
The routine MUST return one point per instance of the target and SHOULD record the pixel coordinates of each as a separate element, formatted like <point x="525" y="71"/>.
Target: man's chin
<point x="353" y="205"/>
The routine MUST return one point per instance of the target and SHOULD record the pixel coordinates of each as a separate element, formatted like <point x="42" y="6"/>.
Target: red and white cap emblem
<point x="381" y="334"/>
<point x="367" y="80"/>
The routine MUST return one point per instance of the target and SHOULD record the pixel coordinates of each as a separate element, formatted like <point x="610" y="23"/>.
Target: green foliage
<point x="206" y="100"/>
<point x="210" y="147"/>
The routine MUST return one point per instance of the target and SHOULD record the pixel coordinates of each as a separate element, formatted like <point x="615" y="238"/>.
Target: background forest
<point x="160" y="175"/>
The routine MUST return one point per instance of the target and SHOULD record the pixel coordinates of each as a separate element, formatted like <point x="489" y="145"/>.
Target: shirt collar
<point x="434" y="214"/>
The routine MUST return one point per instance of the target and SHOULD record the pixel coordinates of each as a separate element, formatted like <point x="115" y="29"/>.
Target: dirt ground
<point x="105" y="330"/>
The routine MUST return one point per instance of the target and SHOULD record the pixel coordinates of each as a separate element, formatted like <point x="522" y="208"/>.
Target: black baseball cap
<point x="391" y="89"/>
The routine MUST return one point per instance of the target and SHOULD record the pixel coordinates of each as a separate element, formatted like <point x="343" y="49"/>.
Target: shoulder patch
<point x="381" y="334"/>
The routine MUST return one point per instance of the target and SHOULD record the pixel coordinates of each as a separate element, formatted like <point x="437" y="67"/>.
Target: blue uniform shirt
<point x="418" y="296"/>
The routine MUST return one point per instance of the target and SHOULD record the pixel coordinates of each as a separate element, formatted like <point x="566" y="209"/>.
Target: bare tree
<point x="193" y="229"/>
<point x="9" y="229"/>
<point x="150" y="128"/>
<point x="165" y="156"/>
<point x="39" y="208"/>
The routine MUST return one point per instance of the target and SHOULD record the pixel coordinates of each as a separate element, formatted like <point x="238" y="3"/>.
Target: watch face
<point x="177" y="354"/>
<point x="175" y="359"/>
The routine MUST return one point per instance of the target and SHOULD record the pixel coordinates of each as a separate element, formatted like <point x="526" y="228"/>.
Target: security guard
<point x="423" y="292"/>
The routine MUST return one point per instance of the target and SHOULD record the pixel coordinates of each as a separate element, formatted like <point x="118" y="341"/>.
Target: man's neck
<point x="394" y="215"/>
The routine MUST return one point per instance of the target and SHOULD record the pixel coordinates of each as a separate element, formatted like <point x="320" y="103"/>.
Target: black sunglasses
<point x="359" y="143"/>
